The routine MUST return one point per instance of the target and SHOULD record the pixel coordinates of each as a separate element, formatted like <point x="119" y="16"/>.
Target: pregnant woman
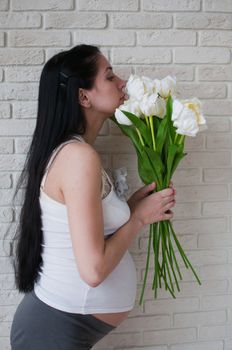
<point x="71" y="247"/>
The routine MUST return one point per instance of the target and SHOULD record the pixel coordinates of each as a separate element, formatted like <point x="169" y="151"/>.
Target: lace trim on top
<point x="107" y="184"/>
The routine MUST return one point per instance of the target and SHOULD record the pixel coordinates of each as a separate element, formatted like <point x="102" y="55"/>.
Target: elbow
<point x="92" y="279"/>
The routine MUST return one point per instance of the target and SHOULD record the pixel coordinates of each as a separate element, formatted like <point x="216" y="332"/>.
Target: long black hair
<point x="59" y="116"/>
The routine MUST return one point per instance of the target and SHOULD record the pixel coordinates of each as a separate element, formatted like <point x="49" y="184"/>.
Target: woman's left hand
<point x="140" y="194"/>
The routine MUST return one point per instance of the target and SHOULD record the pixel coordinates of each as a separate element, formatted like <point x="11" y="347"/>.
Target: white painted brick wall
<point x="191" y="39"/>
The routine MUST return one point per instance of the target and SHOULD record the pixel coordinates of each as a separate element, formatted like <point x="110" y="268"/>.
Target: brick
<point x="75" y="20"/>
<point x="16" y="127"/>
<point x="201" y="192"/>
<point x="215" y="332"/>
<point x="6" y="215"/>
<point x="187" y="177"/>
<point x="202" y="90"/>
<point x="5" y="329"/>
<point x="137" y="324"/>
<point x="4" y="5"/>
<point x="218" y="124"/>
<point x="216" y="38"/>
<point x="20" y="20"/>
<point x="203" y="21"/>
<point x="183" y="73"/>
<point x="216" y="6"/>
<point x="206" y="159"/>
<point x="170" y="306"/>
<point x="2" y="38"/>
<point x="183" y="210"/>
<point x="188" y="289"/>
<point x="221" y="175"/>
<point x="18" y="56"/>
<point x="23" y="74"/>
<point x="5" y="266"/>
<point x="175" y="5"/>
<point x="141" y="20"/>
<point x="6" y="145"/>
<point x="217" y="107"/>
<point x="170" y="336"/>
<point x="7" y="313"/>
<point x="5" y="180"/>
<point x="215" y="345"/>
<point x="10" y="91"/>
<point x="22" y="5"/>
<point x="215" y="240"/>
<point x="1" y="74"/>
<point x="219" y="141"/>
<point x="195" y="143"/>
<point x="4" y="229"/>
<point x="217" y="208"/>
<point x="204" y="257"/>
<point x="215" y="73"/>
<point x="161" y="347"/>
<point x="106" y="5"/>
<point x="201" y="55"/>
<point x="39" y="38"/>
<point x="166" y="38"/>
<point x="138" y="55"/>
<point x="216" y="272"/>
<point x="22" y="145"/>
<point x="9" y="163"/>
<point x="5" y="110"/>
<point x="116" y="38"/>
<point x="199" y="318"/>
<point x="24" y="110"/>
<point x="201" y="225"/>
<point x="122" y="340"/>
<point x="6" y="282"/>
<point x="10" y="297"/>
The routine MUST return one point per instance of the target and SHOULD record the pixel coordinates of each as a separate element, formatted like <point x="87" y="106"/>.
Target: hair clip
<point x="63" y="79"/>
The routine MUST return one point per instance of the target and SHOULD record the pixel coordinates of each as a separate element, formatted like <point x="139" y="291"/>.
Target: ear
<point x="84" y="98"/>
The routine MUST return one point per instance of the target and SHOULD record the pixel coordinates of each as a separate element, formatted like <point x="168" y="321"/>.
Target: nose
<point x="122" y="84"/>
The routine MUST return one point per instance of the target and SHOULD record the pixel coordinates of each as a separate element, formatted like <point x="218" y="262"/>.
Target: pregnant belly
<point x="114" y="319"/>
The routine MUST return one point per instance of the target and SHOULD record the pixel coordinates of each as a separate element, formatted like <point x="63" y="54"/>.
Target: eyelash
<point x="111" y="78"/>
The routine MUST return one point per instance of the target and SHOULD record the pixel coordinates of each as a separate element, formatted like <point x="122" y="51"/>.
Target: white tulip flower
<point x="166" y="86"/>
<point x="137" y="86"/>
<point x="153" y="105"/>
<point x="187" y="116"/>
<point x="131" y="106"/>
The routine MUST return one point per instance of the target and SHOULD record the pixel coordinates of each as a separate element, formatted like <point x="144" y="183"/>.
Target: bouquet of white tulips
<point x="157" y="122"/>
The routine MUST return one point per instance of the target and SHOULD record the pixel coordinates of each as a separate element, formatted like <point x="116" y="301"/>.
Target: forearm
<point x="116" y="246"/>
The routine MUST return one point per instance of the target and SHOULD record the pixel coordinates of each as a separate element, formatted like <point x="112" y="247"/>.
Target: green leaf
<point x="157" y="165"/>
<point x="161" y="134"/>
<point x="142" y="126"/>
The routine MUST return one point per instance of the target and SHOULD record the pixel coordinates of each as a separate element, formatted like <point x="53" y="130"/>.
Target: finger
<point x="168" y="199"/>
<point x="168" y="206"/>
<point x="166" y="192"/>
<point x="171" y="184"/>
<point x="167" y="216"/>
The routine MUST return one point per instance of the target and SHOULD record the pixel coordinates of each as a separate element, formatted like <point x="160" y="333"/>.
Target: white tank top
<point x="59" y="284"/>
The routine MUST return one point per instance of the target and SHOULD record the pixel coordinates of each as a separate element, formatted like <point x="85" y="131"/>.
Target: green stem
<point x="147" y="121"/>
<point x="147" y="266"/>
<point x="181" y="140"/>
<point x="140" y="136"/>
<point x="184" y="257"/>
<point x="152" y="132"/>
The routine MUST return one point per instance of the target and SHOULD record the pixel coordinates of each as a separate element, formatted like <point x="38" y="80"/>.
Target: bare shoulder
<point x="80" y="167"/>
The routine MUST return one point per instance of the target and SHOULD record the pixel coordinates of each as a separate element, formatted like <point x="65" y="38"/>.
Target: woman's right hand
<point x="153" y="207"/>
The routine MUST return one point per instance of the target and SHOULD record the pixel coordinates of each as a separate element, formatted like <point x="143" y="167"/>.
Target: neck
<point x="94" y="124"/>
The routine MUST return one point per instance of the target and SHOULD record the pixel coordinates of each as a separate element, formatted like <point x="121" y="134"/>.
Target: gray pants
<point x="37" y="326"/>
